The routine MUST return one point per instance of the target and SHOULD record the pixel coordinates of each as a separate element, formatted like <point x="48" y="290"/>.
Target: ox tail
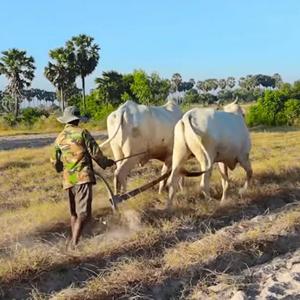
<point x="198" y="135"/>
<point x="119" y="122"/>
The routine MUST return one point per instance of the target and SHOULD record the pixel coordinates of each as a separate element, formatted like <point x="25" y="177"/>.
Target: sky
<point x="196" y="38"/>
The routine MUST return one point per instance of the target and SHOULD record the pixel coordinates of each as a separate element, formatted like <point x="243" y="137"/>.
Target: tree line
<point x="80" y="56"/>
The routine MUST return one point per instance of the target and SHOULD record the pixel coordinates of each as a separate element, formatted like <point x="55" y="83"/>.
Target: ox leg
<point x="181" y="183"/>
<point x="224" y="180"/>
<point x="198" y="152"/>
<point x="122" y="172"/>
<point x="204" y="184"/>
<point x="180" y="155"/>
<point x="172" y="184"/>
<point x="166" y="167"/>
<point x="246" y="165"/>
<point x="117" y="184"/>
<point x="118" y="154"/>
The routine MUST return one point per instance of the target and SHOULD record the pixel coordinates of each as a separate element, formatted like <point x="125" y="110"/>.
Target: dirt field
<point x="247" y="250"/>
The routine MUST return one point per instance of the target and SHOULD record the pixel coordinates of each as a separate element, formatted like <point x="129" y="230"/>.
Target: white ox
<point x="211" y="136"/>
<point x="135" y="128"/>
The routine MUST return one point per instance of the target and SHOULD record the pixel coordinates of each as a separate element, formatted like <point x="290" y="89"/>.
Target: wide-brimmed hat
<point x="71" y="113"/>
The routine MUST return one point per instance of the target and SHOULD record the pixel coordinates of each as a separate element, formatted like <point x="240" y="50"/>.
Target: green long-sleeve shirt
<point x="77" y="148"/>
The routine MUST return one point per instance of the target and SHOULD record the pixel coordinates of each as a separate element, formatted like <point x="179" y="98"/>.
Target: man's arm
<point x="56" y="159"/>
<point x="95" y="152"/>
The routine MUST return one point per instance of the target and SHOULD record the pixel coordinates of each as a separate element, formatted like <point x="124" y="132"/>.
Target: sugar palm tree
<point x="61" y="71"/>
<point x="86" y="55"/>
<point x="18" y="68"/>
<point x="111" y="85"/>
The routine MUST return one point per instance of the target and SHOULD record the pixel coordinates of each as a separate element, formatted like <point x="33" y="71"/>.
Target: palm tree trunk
<point x="83" y="92"/>
<point x="16" y="106"/>
<point x="62" y="100"/>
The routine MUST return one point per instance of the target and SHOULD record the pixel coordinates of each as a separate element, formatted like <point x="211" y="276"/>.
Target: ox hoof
<point x="242" y="191"/>
<point x="225" y="202"/>
<point x="168" y="207"/>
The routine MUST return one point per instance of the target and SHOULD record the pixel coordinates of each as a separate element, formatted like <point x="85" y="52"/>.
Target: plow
<point x="117" y="199"/>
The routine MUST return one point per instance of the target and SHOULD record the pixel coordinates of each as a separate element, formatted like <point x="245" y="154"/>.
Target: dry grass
<point x="144" y="246"/>
<point x="42" y="126"/>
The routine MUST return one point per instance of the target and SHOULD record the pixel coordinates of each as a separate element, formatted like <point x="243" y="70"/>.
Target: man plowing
<point x="74" y="151"/>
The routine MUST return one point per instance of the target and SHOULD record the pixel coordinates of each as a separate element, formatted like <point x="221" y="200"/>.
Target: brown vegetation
<point x="145" y="251"/>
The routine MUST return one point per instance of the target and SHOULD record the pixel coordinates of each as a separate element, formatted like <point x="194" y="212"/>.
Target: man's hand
<point x="59" y="166"/>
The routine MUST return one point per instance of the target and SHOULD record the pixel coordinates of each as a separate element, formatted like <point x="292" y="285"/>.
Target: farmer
<point x="74" y="150"/>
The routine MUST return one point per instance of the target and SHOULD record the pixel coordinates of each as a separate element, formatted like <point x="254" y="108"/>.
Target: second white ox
<point x="211" y="136"/>
<point x="135" y="128"/>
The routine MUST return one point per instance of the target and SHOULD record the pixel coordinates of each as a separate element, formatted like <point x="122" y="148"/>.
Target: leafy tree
<point x="225" y="95"/>
<point x="278" y="80"/>
<point x="40" y="95"/>
<point x="200" y="86"/>
<point x="230" y="82"/>
<point x="269" y="109"/>
<point x="141" y="87"/>
<point x="61" y="72"/>
<point x="263" y="80"/>
<point x="159" y="88"/>
<point x="247" y="95"/>
<point x="292" y="110"/>
<point x="176" y="81"/>
<point x="293" y="90"/>
<point x="112" y="86"/>
<point x="210" y="85"/>
<point x="186" y="85"/>
<point x="247" y="82"/>
<point x="86" y="54"/>
<point x="191" y="96"/>
<point x="127" y="94"/>
<point x="7" y="104"/>
<point x="18" y="68"/>
<point x="222" y="84"/>
<point x="95" y="108"/>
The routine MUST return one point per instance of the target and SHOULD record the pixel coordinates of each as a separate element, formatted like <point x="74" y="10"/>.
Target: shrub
<point x="292" y="111"/>
<point x="47" y="124"/>
<point x="30" y="115"/>
<point x="10" y="120"/>
<point x="269" y="109"/>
